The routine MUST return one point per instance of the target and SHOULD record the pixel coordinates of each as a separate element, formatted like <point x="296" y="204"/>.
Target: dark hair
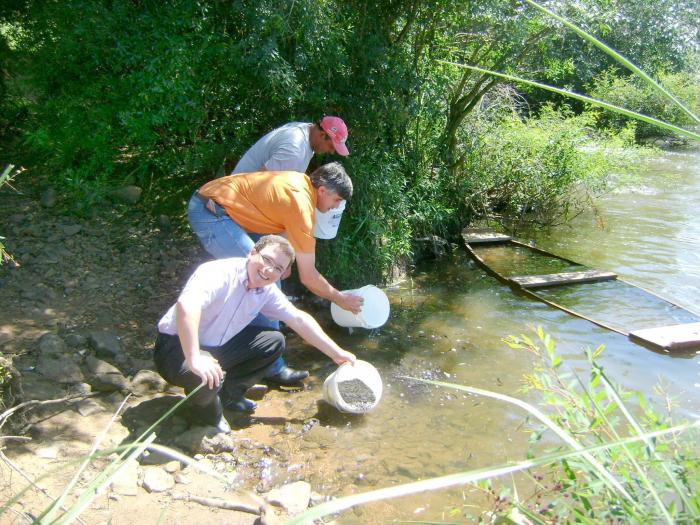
<point x="333" y="177"/>
<point x="276" y="240"/>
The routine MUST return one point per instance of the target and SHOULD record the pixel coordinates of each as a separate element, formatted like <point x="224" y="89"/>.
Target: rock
<point x="48" y="198"/>
<point x="148" y="382"/>
<point x="76" y="340"/>
<point x="205" y="440"/>
<point x="70" y="229"/>
<point x="52" y="344"/>
<point x="50" y="452"/>
<point x="80" y="388"/>
<point x="164" y="221"/>
<point x="105" y="377"/>
<point x="256" y="392"/>
<point x="106" y="344"/>
<point x="87" y="407"/>
<point x="155" y="479"/>
<point x="322" y="436"/>
<point x="171" y="467"/>
<point x="126" y="482"/>
<point x="59" y="367"/>
<point x="182" y="479"/>
<point x="430" y="247"/>
<point x="293" y="497"/>
<point x="127" y="194"/>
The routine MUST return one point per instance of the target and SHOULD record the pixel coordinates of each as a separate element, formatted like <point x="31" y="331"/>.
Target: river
<point x="448" y="321"/>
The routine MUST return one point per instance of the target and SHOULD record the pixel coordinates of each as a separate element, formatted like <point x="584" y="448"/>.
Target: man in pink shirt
<point x="208" y="332"/>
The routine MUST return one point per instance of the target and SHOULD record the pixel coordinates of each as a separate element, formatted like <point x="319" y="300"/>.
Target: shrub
<point x="631" y="93"/>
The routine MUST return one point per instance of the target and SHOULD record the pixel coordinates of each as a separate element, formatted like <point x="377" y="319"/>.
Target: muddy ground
<point x="79" y="307"/>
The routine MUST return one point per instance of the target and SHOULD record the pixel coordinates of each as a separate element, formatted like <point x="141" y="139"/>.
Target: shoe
<point x="288" y="376"/>
<point x="240" y="404"/>
<point x="222" y="426"/>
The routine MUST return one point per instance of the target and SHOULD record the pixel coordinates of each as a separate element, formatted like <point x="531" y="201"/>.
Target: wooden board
<point x="482" y="235"/>
<point x="672" y="337"/>
<point x="556" y="279"/>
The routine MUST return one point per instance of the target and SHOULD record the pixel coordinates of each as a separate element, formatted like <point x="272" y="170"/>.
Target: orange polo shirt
<point x="269" y="202"/>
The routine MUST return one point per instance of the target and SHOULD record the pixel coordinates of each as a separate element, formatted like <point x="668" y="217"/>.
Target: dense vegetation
<point x="166" y="95"/>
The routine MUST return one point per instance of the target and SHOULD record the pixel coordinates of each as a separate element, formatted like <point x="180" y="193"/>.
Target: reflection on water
<point x="509" y="261"/>
<point x="447" y="323"/>
<point x="619" y="305"/>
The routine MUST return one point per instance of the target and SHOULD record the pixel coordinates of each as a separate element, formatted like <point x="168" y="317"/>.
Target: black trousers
<point x="245" y="358"/>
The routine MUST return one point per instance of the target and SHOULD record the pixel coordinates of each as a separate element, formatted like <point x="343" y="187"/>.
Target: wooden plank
<point x="556" y="279"/>
<point x="672" y="337"/>
<point x="482" y="235"/>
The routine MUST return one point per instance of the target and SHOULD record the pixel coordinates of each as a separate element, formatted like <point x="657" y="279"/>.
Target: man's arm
<point x="205" y="366"/>
<point x="314" y="281"/>
<point x="307" y="327"/>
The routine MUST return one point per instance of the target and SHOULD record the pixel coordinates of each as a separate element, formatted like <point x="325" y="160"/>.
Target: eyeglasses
<point x="271" y="264"/>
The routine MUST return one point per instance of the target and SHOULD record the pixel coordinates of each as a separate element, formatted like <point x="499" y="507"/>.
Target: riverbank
<point x="80" y="304"/>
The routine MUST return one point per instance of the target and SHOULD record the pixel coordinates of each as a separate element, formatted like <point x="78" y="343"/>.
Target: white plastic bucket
<point x="374" y="313"/>
<point x="354" y="389"/>
<point x="326" y="224"/>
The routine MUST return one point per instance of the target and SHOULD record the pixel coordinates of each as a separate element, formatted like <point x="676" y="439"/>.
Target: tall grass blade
<point x="112" y="469"/>
<point x="603" y="473"/>
<point x="681" y="492"/>
<point x="463" y="478"/>
<point x="642" y="476"/>
<point x="617" y="56"/>
<point x="98" y="484"/>
<point x="584" y="98"/>
<point x="76" y="476"/>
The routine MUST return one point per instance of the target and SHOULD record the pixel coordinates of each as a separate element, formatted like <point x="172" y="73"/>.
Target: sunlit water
<point x="448" y="322"/>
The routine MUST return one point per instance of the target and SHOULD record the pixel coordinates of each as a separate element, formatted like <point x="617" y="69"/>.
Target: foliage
<point x="168" y="95"/>
<point x="632" y="94"/>
<point x="5" y="178"/>
<point x="540" y="169"/>
<point x="663" y="478"/>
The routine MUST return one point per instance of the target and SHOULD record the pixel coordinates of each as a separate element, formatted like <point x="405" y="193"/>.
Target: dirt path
<point x="78" y="315"/>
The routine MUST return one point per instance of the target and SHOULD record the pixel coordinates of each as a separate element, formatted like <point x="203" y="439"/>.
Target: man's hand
<point x="348" y="301"/>
<point x="343" y="356"/>
<point x="206" y="367"/>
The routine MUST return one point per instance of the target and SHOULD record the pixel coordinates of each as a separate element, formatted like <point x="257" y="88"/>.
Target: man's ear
<point x="253" y="251"/>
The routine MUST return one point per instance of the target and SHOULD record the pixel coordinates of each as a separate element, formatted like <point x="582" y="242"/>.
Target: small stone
<point x="106" y="344"/>
<point x="48" y="198"/>
<point x="155" y="479"/>
<point x="172" y="466"/>
<point x="126" y="482"/>
<point x="59" y="368"/>
<point x="48" y="452"/>
<point x="127" y="194"/>
<point x="293" y="497"/>
<point x="148" y="381"/>
<point x="70" y="229"/>
<point x="182" y="479"/>
<point x="256" y="392"/>
<point x="104" y="376"/>
<point x="88" y="407"/>
<point x="75" y="340"/>
<point x="52" y="344"/>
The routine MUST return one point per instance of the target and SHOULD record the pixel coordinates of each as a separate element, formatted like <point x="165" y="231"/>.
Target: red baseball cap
<point x="338" y="132"/>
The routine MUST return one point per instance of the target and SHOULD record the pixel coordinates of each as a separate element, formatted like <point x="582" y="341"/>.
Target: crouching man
<point x="207" y="332"/>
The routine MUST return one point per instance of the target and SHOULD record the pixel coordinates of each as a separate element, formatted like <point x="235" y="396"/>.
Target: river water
<point x="448" y="321"/>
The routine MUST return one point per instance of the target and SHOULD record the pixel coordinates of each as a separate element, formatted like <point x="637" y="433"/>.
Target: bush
<point x="541" y="169"/>
<point x="631" y="93"/>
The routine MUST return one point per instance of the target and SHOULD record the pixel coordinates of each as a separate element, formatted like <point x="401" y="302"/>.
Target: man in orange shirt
<point x="229" y="214"/>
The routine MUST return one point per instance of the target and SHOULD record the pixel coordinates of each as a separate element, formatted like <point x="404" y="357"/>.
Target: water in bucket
<point x="374" y="313"/>
<point x="354" y="389"/>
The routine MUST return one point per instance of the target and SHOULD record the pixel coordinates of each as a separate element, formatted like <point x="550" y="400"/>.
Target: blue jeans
<point x="222" y="237"/>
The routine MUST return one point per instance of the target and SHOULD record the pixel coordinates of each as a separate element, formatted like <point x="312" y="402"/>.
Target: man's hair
<point x="333" y="177"/>
<point x="276" y="240"/>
